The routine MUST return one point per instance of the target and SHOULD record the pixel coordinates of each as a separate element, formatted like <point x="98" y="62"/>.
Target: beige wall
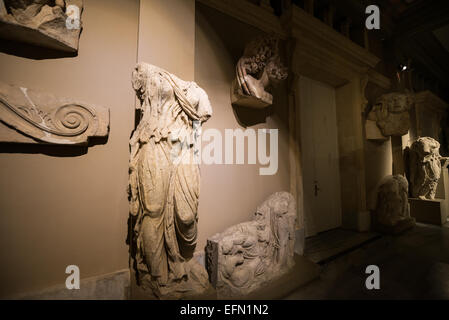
<point x="61" y="210"/>
<point x="378" y="154"/>
<point x="231" y="193"/>
<point x="167" y="35"/>
<point x="60" y="207"/>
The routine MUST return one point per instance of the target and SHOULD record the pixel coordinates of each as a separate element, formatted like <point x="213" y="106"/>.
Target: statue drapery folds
<point x="164" y="182"/>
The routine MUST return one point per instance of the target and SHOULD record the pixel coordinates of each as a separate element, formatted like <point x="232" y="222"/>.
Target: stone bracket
<point x="29" y="116"/>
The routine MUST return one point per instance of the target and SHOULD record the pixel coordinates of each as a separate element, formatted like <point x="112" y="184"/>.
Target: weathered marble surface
<point x="391" y="113"/>
<point x="392" y="206"/>
<point x="256" y="72"/>
<point x="425" y="167"/>
<point x="30" y="116"/>
<point x="44" y="23"/>
<point x="251" y="254"/>
<point x="164" y="182"/>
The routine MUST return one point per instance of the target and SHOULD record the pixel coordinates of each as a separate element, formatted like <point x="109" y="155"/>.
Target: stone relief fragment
<point x="251" y="254"/>
<point x="257" y="71"/>
<point x="391" y="114"/>
<point x="30" y="116"/>
<point x="425" y="167"/>
<point x="164" y="182"/>
<point x="54" y="24"/>
<point x="392" y="208"/>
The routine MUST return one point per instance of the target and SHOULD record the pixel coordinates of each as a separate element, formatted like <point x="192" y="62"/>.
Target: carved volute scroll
<point x="29" y="116"/>
<point x="257" y="71"/>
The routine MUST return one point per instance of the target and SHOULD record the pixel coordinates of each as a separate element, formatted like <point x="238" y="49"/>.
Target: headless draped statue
<point x="164" y="182"/>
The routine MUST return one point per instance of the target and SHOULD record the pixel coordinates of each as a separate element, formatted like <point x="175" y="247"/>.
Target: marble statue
<point x="31" y="116"/>
<point x="256" y="72"/>
<point x="425" y="167"/>
<point x="164" y="182"/>
<point x="392" y="202"/>
<point x="251" y="254"/>
<point x="53" y="24"/>
<point x="391" y="113"/>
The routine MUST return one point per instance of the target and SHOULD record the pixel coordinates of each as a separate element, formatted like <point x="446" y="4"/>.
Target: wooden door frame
<point x="313" y="228"/>
<point x="318" y="52"/>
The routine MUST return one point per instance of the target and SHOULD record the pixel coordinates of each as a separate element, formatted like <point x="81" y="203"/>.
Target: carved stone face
<point x="391" y="113"/>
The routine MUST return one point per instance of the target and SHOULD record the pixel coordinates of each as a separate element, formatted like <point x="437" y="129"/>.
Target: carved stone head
<point x="391" y="113"/>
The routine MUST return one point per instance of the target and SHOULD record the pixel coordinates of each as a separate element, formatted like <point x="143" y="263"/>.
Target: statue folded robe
<point x="164" y="182"/>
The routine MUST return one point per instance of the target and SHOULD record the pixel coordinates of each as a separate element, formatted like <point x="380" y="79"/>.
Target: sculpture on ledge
<point x="425" y="167"/>
<point x="257" y="71"/>
<point x="391" y="115"/>
<point x="392" y="213"/>
<point x="30" y="116"/>
<point x="164" y="182"/>
<point x="52" y="24"/>
<point x="251" y="254"/>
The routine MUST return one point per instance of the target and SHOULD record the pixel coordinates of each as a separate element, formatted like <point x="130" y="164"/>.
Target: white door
<point x="319" y="152"/>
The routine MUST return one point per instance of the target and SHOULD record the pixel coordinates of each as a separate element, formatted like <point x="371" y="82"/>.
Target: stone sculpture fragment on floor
<point x="251" y="254"/>
<point x="392" y="213"/>
<point x="31" y="116"/>
<point x="164" y="182"/>
<point x="425" y="167"/>
<point x="257" y="71"/>
<point x="45" y="23"/>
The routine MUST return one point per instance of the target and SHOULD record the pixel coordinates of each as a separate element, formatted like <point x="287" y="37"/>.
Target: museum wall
<point x="65" y="205"/>
<point x="231" y="193"/>
<point x="378" y="154"/>
<point x="172" y="47"/>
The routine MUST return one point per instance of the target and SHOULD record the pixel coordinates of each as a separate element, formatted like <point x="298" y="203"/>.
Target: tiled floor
<point x="414" y="265"/>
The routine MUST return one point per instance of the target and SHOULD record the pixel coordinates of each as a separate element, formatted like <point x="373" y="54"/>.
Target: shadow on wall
<point x="29" y="51"/>
<point x="51" y="150"/>
<point x="247" y="117"/>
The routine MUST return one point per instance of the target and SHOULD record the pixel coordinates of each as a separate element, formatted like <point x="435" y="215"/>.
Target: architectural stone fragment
<point x="392" y="214"/>
<point x="256" y="72"/>
<point x="30" y="116"/>
<point x="44" y="23"/>
<point x="251" y="254"/>
<point x="391" y="113"/>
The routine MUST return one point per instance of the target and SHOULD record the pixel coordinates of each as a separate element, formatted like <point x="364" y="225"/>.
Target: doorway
<point x="320" y="157"/>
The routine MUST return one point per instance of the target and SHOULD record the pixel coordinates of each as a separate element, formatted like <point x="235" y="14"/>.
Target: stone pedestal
<point x="434" y="211"/>
<point x="428" y="211"/>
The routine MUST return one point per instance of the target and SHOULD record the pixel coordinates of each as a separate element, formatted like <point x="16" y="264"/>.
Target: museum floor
<point x="414" y="265"/>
